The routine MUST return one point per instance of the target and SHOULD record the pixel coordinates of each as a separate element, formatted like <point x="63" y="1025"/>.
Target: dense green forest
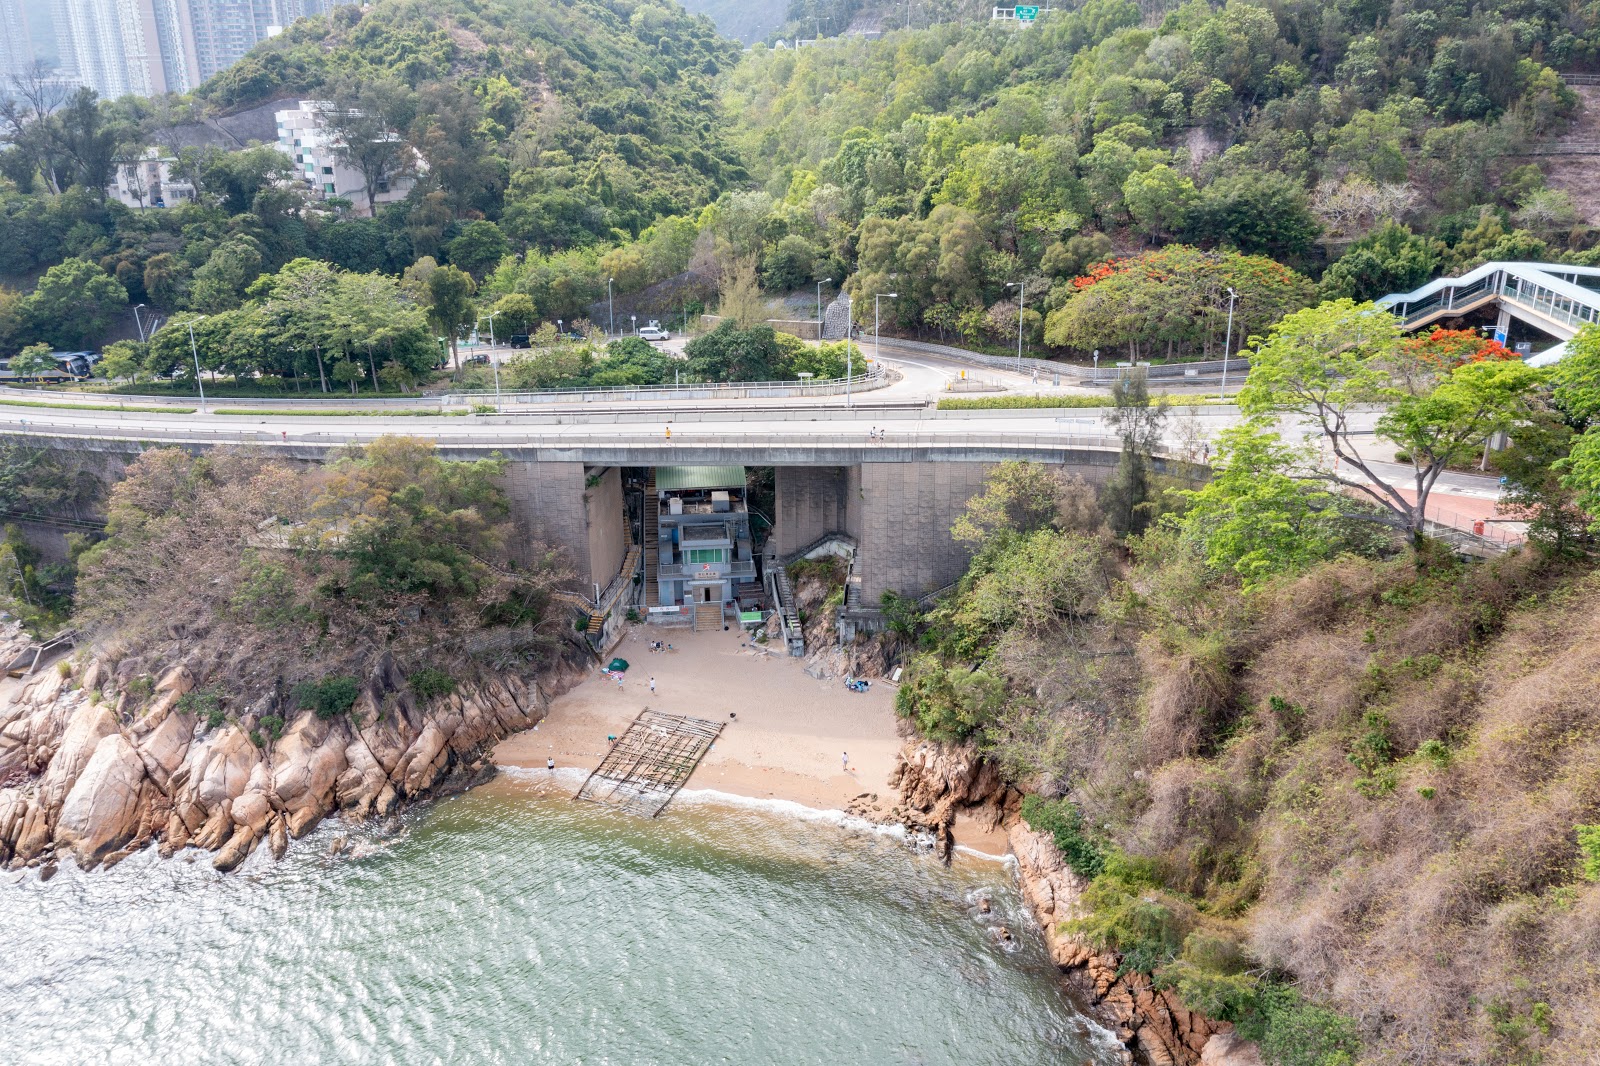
<point x="1359" y="148"/>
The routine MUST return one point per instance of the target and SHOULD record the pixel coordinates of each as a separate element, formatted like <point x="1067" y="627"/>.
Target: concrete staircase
<point x="652" y="531"/>
<point x="791" y="614"/>
<point x="707" y="616"/>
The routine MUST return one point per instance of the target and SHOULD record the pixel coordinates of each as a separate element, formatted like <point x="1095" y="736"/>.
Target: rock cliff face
<point x="88" y="770"/>
<point x="937" y="782"/>
<point x="1153" y="1024"/>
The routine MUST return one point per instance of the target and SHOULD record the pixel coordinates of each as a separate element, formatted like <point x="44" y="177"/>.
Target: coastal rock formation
<point x="89" y="769"/>
<point x="937" y="782"/>
<point x="1154" y="1025"/>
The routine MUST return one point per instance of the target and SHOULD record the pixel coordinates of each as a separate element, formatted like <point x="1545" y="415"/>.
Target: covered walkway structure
<point x="1555" y="299"/>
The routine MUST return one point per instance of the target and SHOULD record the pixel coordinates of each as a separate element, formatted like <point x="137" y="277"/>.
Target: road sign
<point x="1027" y="14"/>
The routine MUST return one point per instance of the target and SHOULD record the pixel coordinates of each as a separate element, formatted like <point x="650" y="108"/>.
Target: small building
<point x="147" y="181"/>
<point x="704" y="551"/>
<point x="314" y="149"/>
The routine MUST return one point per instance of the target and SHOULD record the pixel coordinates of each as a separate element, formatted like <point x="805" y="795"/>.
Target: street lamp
<point x="1228" y="343"/>
<point x="493" y="361"/>
<point x="611" y="309"/>
<point x="876" y="354"/>
<point x="138" y="324"/>
<point x="820" y="284"/>
<point x="1022" y="303"/>
<point x="195" y="351"/>
<point x="849" y="364"/>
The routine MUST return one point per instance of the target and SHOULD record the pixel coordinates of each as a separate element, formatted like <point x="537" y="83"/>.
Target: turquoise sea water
<point x="508" y="927"/>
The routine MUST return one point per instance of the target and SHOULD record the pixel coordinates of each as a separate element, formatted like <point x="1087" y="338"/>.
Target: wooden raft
<point x="650" y="762"/>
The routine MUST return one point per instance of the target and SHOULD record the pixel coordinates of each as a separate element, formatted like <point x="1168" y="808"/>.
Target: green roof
<point x="679" y="478"/>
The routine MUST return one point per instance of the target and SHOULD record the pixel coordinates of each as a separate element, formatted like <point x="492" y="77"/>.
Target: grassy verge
<point x="99" y="407"/>
<point x="279" y="412"/>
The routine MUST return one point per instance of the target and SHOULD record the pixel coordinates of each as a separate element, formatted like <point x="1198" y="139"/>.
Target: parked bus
<point x="72" y="366"/>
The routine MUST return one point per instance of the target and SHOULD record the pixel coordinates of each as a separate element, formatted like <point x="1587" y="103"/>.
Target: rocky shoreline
<point x="938" y="782"/>
<point x="90" y="770"/>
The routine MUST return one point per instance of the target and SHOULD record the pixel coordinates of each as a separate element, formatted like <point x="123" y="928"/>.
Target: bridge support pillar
<point x="554" y="503"/>
<point x="813" y="501"/>
<point x="906" y="511"/>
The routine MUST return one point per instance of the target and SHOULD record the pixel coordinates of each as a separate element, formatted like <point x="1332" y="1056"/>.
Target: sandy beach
<point x="787" y="741"/>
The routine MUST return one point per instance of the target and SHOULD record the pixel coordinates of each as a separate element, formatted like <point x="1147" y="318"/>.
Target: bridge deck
<point x="651" y="761"/>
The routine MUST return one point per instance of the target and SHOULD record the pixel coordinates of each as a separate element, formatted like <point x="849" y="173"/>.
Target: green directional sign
<point x="1027" y="14"/>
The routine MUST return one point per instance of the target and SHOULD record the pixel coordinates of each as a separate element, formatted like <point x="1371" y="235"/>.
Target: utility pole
<point x="611" y="309"/>
<point x="195" y="351"/>
<point x="876" y="306"/>
<point x="494" y="362"/>
<point x="1228" y="342"/>
<point x="1022" y="302"/>
<point x="849" y="365"/>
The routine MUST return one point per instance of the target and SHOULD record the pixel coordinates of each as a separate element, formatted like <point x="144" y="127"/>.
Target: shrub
<point x="330" y="697"/>
<point x="1589" y="848"/>
<point x="429" y="683"/>
<point x="273" y="725"/>
<point x="1064" y="822"/>
<point x="1125" y="915"/>
<point x="205" y="703"/>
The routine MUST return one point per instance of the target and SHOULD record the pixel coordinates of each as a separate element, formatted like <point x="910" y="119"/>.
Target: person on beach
<point x="652" y="686"/>
<point x="550" y="763"/>
<point x="847" y="762"/>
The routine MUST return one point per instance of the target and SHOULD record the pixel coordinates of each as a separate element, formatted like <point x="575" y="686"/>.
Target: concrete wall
<point x="607" y="537"/>
<point x="547" y="502"/>
<point x="811" y="501"/>
<point x="907" y="510"/>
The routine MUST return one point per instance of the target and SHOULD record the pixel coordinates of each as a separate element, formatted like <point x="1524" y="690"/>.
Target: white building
<point x="314" y="150"/>
<point x="148" y="182"/>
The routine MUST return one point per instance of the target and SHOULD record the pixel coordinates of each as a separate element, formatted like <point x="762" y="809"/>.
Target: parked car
<point x="475" y="360"/>
<point x="653" y="332"/>
<point x="521" y="340"/>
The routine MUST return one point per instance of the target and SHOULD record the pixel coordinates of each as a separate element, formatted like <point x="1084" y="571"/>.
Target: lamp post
<point x="492" y="360"/>
<point x="1022" y="302"/>
<point x="634" y="320"/>
<point x="195" y="351"/>
<point x="849" y="364"/>
<point x="611" y="309"/>
<point x="1228" y="342"/>
<point x="820" y="284"/>
<point x="876" y="305"/>
<point x="138" y="325"/>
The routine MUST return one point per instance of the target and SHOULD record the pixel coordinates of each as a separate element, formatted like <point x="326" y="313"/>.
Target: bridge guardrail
<point x="865" y="382"/>
<point x="1239" y="362"/>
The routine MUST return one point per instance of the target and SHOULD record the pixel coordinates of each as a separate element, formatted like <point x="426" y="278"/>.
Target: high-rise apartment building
<point x="145" y="47"/>
<point x="16" y="46"/>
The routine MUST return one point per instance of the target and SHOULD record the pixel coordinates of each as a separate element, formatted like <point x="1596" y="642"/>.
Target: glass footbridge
<point x="1554" y="298"/>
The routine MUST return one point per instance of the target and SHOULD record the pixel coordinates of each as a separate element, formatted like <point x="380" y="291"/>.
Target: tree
<point x="1158" y="199"/>
<point x="479" y="248"/>
<point x="729" y="353"/>
<point x="34" y="361"/>
<point x="515" y="312"/>
<point x="1258" y="213"/>
<point x="75" y="303"/>
<point x="1319" y="364"/>
<point x="1254" y="518"/>
<point x="1020" y="498"/>
<point x="347" y="372"/>
<point x="741" y="303"/>
<point x="122" y="360"/>
<point x="365" y="121"/>
<point x="448" y="298"/>
<point x="1390" y="259"/>
<point x="1128" y="496"/>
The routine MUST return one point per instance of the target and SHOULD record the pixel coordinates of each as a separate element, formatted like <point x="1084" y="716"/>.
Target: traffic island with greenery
<point x="1321" y="775"/>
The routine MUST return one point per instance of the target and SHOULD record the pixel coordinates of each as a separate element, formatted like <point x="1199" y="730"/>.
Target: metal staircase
<point x="651" y="546"/>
